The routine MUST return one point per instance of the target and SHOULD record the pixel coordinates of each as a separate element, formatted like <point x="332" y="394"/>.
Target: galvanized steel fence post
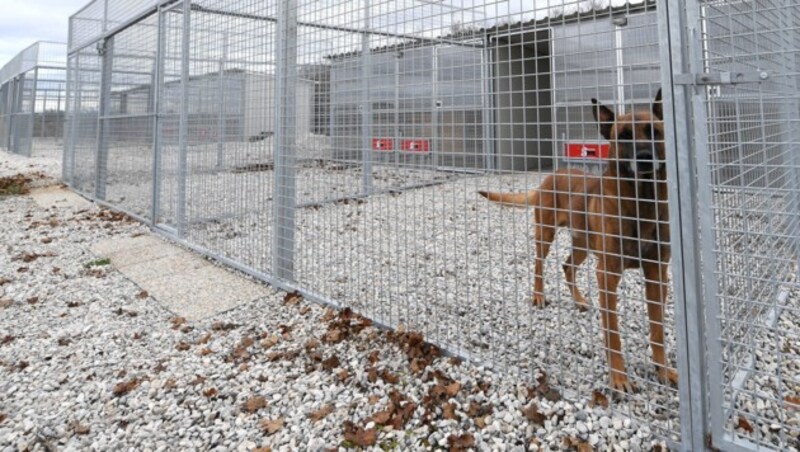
<point x="183" y="133"/>
<point x="285" y="137"/>
<point x="366" y="103"/>
<point x="106" y="50"/>
<point x="679" y="30"/>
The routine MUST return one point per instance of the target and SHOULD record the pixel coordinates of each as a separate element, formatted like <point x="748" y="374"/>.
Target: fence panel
<point x="345" y="149"/>
<point x="752" y="171"/>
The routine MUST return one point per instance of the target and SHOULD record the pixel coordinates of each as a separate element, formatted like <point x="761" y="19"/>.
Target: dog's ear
<point x="604" y="117"/>
<point x="658" y="106"/>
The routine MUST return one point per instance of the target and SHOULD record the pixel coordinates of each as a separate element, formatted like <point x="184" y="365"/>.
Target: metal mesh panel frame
<point x="336" y="148"/>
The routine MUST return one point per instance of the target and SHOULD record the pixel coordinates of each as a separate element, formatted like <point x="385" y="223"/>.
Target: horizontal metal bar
<point x="721" y="78"/>
<point x="387" y="34"/>
<point x="128" y="116"/>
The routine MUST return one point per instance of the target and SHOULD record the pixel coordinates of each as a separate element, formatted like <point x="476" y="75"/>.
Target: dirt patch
<point x="17" y="184"/>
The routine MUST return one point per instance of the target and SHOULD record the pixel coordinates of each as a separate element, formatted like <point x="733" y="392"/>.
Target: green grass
<point x="98" y="262"/>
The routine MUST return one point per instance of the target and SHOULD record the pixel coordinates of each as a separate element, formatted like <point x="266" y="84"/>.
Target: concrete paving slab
<point x="57" y="196"/>
<point x="184" y="282"/>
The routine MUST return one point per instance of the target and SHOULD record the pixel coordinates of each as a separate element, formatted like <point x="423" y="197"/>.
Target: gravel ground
<point x="123" y="372"/>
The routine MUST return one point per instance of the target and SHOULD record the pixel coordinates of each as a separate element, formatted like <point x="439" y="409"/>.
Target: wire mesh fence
<point x="33" y="101"/>
<point x="346" y="148"/>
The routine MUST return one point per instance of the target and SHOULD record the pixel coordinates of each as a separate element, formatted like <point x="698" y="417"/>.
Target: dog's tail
<point x="512" y="199"/>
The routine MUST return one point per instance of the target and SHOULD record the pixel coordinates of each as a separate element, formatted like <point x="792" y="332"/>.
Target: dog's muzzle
<point x="645" y="162"/>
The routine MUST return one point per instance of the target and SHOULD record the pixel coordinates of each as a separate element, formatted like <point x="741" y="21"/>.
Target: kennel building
<point x="387" y="118"/>
<point x="33" y="100"/>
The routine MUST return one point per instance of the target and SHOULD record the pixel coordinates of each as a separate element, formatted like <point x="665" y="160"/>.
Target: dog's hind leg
<point x="571" y="268"/>
<point x="655" y="275"/>
<point x="544" y="237"/>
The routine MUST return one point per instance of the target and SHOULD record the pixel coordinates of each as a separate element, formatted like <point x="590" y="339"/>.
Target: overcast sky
<point x="23" y="22"/>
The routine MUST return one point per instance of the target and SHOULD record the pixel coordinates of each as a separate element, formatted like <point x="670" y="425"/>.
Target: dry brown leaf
<point x="7" y="339"/>
<point x="125" y="387"/>
<point x="381" y="417"/>
<point x="262" y="449"/>
<point x="792" y="401"/>
<point x="198" y="380"/>
<point x="359" y="436"/>
<point x="343" y="375"/>
<point x="210" y="392"/>
<point x="372" y="375"/>
<point x="4" y="281"/>
<point x="453" y="388"/>
<point x="373" y="357"/>
<point x="223" y="326"/>
<point x="170" y="384"/>
<point x="3" y="417"/>
<point x="292" y="298"/>
<point x="204" y="340"/>
<point x="373" y="399"/>
<point x="331" y="363"/>
<point x="533" y="415"/>
<point x="461" y="442"/>
<point x="177" y="322"/>
<point x="142" y="295"/>
<point x="389" y="377"/>
<point x="311" y="344"/>
<point x="744" y="424"/>
<point x="5" y="302"/>
<point x="599" y="399"/>
<point x="270" y="341"/>
<point x="320" y="413"/>
<point x="254" y="404"/>
<point x="182" y="346"/>
<point x="206" y="351"/>
<point x="271" y="426"/>
<point x="449" y="411"/>
<point x="160" y="367"/>
<point x="305" y="310"/>
<point x="246" y="342"/>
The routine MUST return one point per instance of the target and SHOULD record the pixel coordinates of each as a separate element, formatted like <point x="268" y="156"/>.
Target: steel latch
<point x="721" y="78"/>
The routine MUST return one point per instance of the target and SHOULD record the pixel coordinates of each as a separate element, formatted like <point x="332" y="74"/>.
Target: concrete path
<point x="185" y="283"/>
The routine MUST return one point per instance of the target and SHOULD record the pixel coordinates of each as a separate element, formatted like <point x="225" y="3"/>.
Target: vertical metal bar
<point x="435" y="145"/>
<point x="366" y="102"/>
<point x="101" y="156"/>
<point x="285" y="136"/>
<point x="397" y="132"/>
<point x="791" y="107"/>
<point x="183" y="134"/>
<point x="78" y="99"/>
<point x="221" y="117"/>
<point x="34" y="88"/>
<point x="487" y="101"/>
<point x="678" y="31"/>
<point x="157" y="87"/>
<point x="620" y="66"/>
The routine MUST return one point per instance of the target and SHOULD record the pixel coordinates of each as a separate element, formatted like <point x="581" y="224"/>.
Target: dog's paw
<point x="619" y="382"/>
<point x="668" y="376"/>
<point x="582" y="306"/>
<point x="539" y="300"/>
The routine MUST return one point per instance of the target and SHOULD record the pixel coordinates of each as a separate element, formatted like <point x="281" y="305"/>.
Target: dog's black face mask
<point x="637" y="139"/>
<point x="639" y="148"/>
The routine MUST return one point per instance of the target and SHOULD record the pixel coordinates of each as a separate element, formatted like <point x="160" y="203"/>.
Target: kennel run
<point x="33" y="95"/>
<point x="336" y="147"/>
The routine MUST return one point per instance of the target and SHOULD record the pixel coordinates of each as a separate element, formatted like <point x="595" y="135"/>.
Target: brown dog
<point x="622" y="216"/>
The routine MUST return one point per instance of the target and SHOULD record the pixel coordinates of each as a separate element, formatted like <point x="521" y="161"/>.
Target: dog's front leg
<point x="609" y="273"/>
<point x="655" y="275"/>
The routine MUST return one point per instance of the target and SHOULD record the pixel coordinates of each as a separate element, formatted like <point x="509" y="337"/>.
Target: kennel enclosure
<point x="336" y="147"/>
<point x="33" y="100"/>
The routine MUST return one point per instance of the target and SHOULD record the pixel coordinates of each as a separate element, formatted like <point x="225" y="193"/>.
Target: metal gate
<point x="737" y="182"/>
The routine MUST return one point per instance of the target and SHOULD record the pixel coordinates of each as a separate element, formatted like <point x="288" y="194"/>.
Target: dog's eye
<point x="651" y="133"/>
<point x="625" y="135"/>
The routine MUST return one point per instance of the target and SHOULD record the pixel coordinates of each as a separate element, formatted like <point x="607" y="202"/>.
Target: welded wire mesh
<point x="753" y="172"/>
<point x="33" y="100"/>
<point x="340" y="147"/>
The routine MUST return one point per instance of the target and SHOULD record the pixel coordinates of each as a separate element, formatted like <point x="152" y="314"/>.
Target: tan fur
<point x="624" y="222"/>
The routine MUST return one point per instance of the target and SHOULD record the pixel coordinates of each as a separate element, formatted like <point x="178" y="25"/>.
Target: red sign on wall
<point x="382" y="144"/>
<point x="421" y="146"/>
<point x="587" y="150"/>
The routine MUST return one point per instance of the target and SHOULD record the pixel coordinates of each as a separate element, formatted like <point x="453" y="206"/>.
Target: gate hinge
<point x="721" y="78"/>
